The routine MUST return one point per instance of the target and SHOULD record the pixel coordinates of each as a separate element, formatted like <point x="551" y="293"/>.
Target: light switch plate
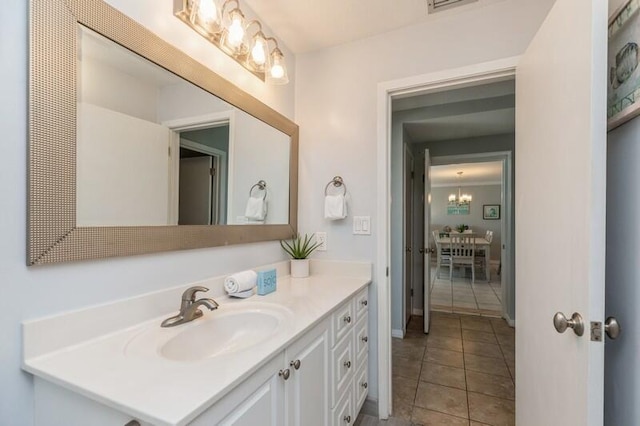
<point x="321" y="237"/>
<point x="362" y="225"/>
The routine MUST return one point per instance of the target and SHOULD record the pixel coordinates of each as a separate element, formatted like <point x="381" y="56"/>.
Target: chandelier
<point x="459" y="199"/>
<point x="224" y="25"/>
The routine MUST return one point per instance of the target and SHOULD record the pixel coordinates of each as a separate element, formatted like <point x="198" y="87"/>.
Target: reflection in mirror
<point x="156" y="150"/>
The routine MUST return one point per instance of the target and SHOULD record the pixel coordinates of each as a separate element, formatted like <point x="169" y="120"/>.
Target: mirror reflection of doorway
<point x="203" y="176"/>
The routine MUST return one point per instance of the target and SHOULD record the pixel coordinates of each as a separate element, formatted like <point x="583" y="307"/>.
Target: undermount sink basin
<point x="229" y="329"/>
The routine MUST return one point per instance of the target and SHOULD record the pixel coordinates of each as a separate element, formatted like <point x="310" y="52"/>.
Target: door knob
<point x="408" y="249"/>
<point x="561" y="323"/>
<point x="284" y="374"/>
<point x="295" y="364"/>
<point x="612" y="328"/>
<point x="421" y="250"/>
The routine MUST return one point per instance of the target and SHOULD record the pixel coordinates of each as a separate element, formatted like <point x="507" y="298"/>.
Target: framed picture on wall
<point x="491" y="211"/>
<point x="623" y="79"/>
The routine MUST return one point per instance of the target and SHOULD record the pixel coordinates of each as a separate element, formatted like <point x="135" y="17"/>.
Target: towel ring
<point x="337" y="182"/>
<point x="262" y="186"/>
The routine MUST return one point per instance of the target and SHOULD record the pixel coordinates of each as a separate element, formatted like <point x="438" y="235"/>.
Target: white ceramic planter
<point x="299" y="268"/>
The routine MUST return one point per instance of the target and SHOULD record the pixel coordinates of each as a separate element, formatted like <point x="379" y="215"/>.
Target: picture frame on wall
<point x="491" y="211"/>
<point x="623" y="79"/>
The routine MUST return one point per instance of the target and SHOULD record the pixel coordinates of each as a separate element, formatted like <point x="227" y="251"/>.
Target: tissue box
<point x="266" y="282"/>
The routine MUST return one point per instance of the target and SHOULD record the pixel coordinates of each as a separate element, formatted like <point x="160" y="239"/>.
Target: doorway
<point x="480" y="74"/>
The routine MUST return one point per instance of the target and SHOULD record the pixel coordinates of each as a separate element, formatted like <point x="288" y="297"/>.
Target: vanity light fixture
<point x="225" y="26"/>
<point x="459" y="199"/>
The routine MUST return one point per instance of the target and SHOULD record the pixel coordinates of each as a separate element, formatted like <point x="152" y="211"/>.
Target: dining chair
<point x="481" y="253"/>
<point x="443" y="255"/>
<point x="463" y="248"/>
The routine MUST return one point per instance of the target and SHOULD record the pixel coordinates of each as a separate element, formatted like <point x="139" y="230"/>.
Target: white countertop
<point x="164" y="392"/>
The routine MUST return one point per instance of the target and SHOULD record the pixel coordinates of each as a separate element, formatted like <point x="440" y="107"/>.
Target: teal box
<point x="266" y="282"/>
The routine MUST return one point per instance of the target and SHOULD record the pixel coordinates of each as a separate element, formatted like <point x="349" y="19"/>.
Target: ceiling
<point x="458" y="114"/>
<point x="473" y="174"/>
<point x="306" y="25"/>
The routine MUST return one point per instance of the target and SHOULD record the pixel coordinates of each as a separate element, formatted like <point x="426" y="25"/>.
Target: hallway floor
<point x="459" y="296"/>
<point x="461" y="373"/>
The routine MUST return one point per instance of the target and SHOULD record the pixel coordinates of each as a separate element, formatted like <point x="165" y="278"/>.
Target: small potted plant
<point x="299" y="249"/>
<point x="461" y="228"/>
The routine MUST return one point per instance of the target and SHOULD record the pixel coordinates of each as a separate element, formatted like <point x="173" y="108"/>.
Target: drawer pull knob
<point x="295" y="364"/>
<point x="365" y="385"/>
<point x="364" y="302"/>
<point x="133" y="423"/>
<point x="347" y="319"/>
<point x="347" y="364"/>
<point x="284" y="374"/>
<point x="347" y="419"/>
<point x="365" y="339"/>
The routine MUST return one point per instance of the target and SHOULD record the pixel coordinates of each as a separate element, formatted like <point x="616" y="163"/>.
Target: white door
<point x="560" y="215"/>
<point x="408" y="235"/>
<point x="426" y="292"/>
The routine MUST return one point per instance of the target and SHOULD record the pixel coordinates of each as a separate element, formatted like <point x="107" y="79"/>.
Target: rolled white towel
<point x="240" y="282"/>
<point x="335" y="207"/>
<point x="256" y="209"/>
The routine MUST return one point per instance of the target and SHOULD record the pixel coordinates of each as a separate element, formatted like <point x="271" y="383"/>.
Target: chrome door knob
<point x="421" y="250"/>
<point x="612" y="328"/>
<point x="295" y="364"/>
<point x="561" y="323"/>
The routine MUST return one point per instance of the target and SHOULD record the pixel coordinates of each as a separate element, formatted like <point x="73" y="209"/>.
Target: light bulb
<point x="277" y="71"/>
<point x="257" y="53"/>
<point x="236" y="32"/>
<point x="207" y="11"/>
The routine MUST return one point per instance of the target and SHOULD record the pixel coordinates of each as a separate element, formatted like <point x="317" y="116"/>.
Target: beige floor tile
<point x="402" y="410"/>
<point x="477" y="424"/>
<point x="405" y="393"/>
<point x="453" y="333"/>
<point x="491" y="410"/>
<point x="433" y="418"/>
<point x="405" y="382"/>
<point x="506" y="340"/>
<point x="444" y="322"/>
<point x="448" y="343"/>
<point x="435" y="314"/>
<point x="442" y="399"/>
<point x="479" y="336"/>
<point x="405" y="367"/>
<point x="415" y="337"/>
<point x="443" y="375"/>
<point x="500" y="326"/>
<point x="476" y="323"/>
<point x="488" y="384"/>
<point x="444" y="357"/>
<point x="482" y="349"/>
<point x="412" y="352"/>
<point x="483" y="364"/>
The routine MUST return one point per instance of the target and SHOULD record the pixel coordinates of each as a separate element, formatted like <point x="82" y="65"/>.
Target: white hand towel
<point x="240" y="282"/>
<point x="256" y="209"/>
<point x="335" y="207"/>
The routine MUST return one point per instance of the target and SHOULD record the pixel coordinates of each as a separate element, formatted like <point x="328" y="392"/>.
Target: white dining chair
<point x="463" y="248"/>
<point x="443" y="255"/>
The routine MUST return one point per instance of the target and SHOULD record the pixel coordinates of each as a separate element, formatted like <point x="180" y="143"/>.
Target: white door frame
<point x="473" y="75"/>
<point x="506" y="196"/>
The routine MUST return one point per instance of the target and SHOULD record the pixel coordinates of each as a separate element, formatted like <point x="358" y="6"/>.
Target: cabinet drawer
<point x="361" y="386"/>
<point x="362" y="303"/>
<point x="343" y="414"/>
<point x="362" y="339"/>
<point x="342" y="367"/>
<point x="342" y="322"/>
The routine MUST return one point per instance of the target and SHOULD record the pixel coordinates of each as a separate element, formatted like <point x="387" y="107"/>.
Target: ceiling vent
<point x="440" y="5"/>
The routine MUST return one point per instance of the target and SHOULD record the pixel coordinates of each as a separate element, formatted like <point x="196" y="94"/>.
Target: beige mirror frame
<point x="52" y="232"/>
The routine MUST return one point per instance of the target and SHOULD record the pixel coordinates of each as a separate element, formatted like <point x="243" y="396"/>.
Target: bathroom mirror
<point x="130" y="152"/>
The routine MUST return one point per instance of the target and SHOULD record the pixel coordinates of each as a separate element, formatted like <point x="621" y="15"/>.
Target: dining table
<point x="481" y="244"/>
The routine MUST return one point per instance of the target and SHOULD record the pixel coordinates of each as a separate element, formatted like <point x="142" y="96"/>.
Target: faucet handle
<point x="189" y="294"/>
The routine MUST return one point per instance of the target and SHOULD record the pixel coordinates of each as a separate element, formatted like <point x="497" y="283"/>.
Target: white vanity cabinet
<point x="319" y="379"/>
<point x="349" y="359"/>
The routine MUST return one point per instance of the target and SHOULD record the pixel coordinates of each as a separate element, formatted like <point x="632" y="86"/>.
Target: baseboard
<point x="397" y="334"/>
<point x="417" y="312"/>
<point x="370" y="407"/>
<point x="511" y="322"/>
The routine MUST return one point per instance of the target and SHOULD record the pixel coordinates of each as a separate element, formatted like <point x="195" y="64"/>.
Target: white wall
<point x="336" y="108"/>
<point x="44" y="290"/>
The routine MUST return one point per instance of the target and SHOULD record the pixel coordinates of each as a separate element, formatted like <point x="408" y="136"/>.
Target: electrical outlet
<point x="321" y="237"/>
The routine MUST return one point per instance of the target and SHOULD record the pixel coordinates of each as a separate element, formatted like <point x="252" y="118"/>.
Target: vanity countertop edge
<point x="142" y="387"/>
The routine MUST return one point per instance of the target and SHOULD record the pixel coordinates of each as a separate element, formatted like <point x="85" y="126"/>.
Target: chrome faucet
<point x="189" y="307"/>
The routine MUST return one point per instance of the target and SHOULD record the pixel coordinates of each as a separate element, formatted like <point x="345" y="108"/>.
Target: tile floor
<point x="461" y="373"/>
<point x="459" y="296"/>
